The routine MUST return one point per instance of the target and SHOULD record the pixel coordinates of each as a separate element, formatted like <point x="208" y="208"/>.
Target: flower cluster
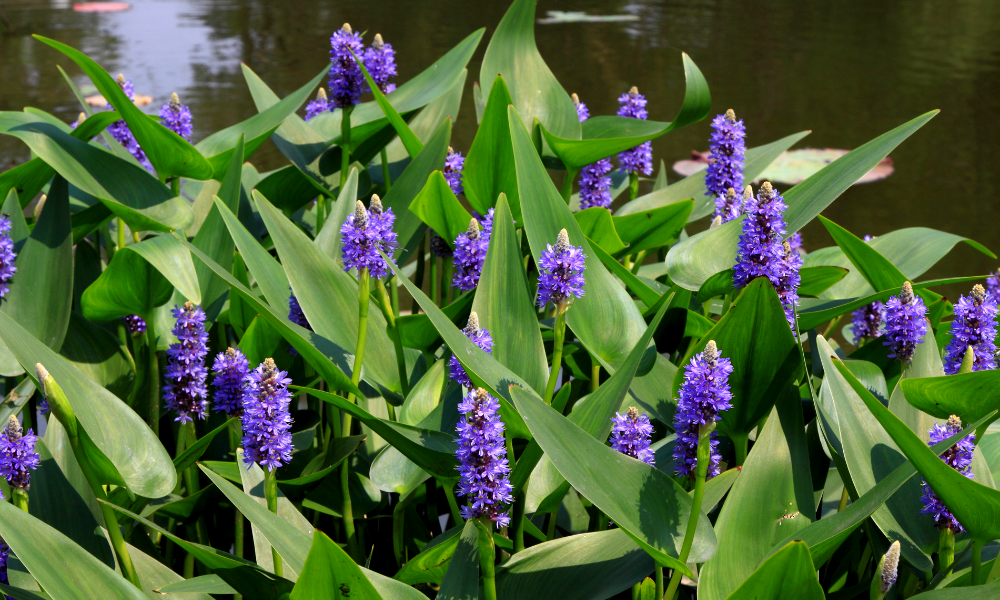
<point x="439" y="247"/>
<point x="958" y="457"/>
<point x="760" y="251"/>
<point x="993" y="285"/>
<point x="726" y="150"/>
<point x="318" y="106"/>
<point x="380" y="60"/>
<point x="727" y="206"/>
<point x="630" y="435"/>
<point x="905" y="323"/>
<point x="867" y="322"/>
<point x="704" y="394"/>
<point x="231" y="368"/>
<point x="295" y="315"/>
<point x="470" y="254"/>
<point x="890" y="565"/>
<point x="453" y="165"/>
<point x="267" y="438"/>
<point x="560" y="272"/>
<point x="177" y="117"/>
<point x="975" y="325"/>
<point x="364" y="234"/>
<point x="595" y="179"/>
<point x="185" y="391"/>
<point x="134" y="324"/>
<point x="640" y="158"/>
<point x="121" y="132"/>
<point x="480" y="337"/>
<point x="346" y="79"/>
<point x="485" y="473"/>
<point x="7" y="255"/>
<point x="17" y="454"/>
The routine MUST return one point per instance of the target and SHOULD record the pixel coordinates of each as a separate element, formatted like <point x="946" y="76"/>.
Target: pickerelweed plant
<point x="465" y="380"/>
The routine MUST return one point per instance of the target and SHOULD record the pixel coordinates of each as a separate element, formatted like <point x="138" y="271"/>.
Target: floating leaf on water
<point x="101" y="7"/>
<point x="559" y="16"/>
<point x="791" y="167"/>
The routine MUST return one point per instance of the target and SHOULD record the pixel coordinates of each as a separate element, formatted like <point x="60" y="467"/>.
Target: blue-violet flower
<point x="7" y="255"/>
<point x="640" y="158"/>
<point x="480" y="337"/>
<point x="267" y="438"/>
<point x="595" y="179"/>
<point x="867" y="322"/>
<point x="380" y="60"/>
<point x="365" y="233"/>
<point x="121" y="132"/>
<point x="631" y="433"/>
<point x="726" y="149"/>
<point x="231" y="368"/>
<point x="975" y="325"/>
<point x="134" y="324"/>
<point x="18" y="457"/>
<point x="177" y="117"/>
<point x="185" y="390"/>
<point x="560" y="273"/>
<point x="453" y="165"/>
<point x="346" y="80"/>
<point x="485" y="473"/>
<point x="905" y="323"/>
<point x="958" y="457"/>
<point x="470" y="254"/>
<point x="728" y="206"/>
<point x="318" y="106"/>
<point x="704" y="394"/>
<point x="993" y="285"/>
<point x="295" y="315"/>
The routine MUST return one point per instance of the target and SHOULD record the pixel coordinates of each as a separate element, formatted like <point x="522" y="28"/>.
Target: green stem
<point x="175" y="186"/>
<point x="701" y="473"/>
<point x="435" y="289"/>
<point x="844" y="497"/>
<point x="385" y="169"/>
<point x="727" y="303"/>
<point x="740" y="441"/>
<point x="658" y="575"/>
<point x="397" y="341"/>
<point x="487" y="558"/>
<point x="109" y="248"/>
<point x="321" y="203"/>
<point x="152" y="377"/>
<point x="20" y="498"/>
<point x="234" y="442"/>
<point x="550" y="529"/>
<point x="567" y="186"/>
<point x="595" y="375"/>
<point x="517" y="521"/>
<point x="398" y="520"/>
<point x="633" y="186"/>
<point x="639" y="257"/>
<point x="345" y="144"/>
<point x="418" y="277"/>
<point x="121" y="233"/>
<point x="558" y="337"/>
<point x="446" y="271"/>
<point x="347" y="511"/>
<point x="977" y="561"/>
<point x="637" y="591"/>
<point x="271" y="495"/>
<point x="946" y="548"/>
<point x="449" y="492"/>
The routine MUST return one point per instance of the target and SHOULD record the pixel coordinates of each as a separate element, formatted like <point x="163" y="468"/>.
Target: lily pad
<point x="792" y="166"/>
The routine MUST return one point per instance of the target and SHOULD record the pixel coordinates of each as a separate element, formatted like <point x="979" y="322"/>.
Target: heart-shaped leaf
<point x="787" y="573"/>
<point x="488" y="170"/>
<point x="329" y="572"/>
<point x="437" y="206"/>
<point x="968" y="395"/>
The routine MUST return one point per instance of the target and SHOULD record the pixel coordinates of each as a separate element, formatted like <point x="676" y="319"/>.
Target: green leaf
<point x="816" y="280"/>
<point x="328" y="239"/>
<point x="606" y="136"/>
<point x="329" y="298"/>
<point x="127" y="190"/>
<point x="535" y="91"/>
<point x="646" y="294"/>
<point x="869" y="455"/>
<point x="968" y="395"/>
<point x="787" y="573"/>
<point x="410" y="141"/>
<point x="461" y="581"/>
<point x="488" y="168"/>
<point x="653" y="228"/>
<point x="605" y="319"/>
<point x="431" y="450"/>
<point x="115" y="429"/>
<point x="204" y="584"/>
<point x="755" y="336"/>
<point x="980" y="592"/>
<point x="16" y="398"/>
<point x="425" y="395"/>
<point x="693" y="186"/>
<point x="596" y="223"/>
<point x="437" y="206"/>
<point x="418" y="331"/>
<point x="329" y="572"/>
<point x="222" y="145"/>
<point x="431" y="564"/>
<point x="504" y="307"/>
<point x="976" y="506"/>
<point x="170" y="154"/>
<point x="645" y="503"/>
<point x="319" y="352"/>
<point x="691" y="262"/>
<point x="99" y="355"/>
<point x="589" y="566"/>
<point x="391" y="471"/>
<point x="772" y="496"/>
<point x="155" y="575"/>
<point x="64" y="569"/>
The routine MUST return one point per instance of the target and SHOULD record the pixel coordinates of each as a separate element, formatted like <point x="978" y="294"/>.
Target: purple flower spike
<point x="485" y="221"/>
<point x="640" y="158"/>
<point x="134" y="324"/>
<point x="4" y="554"/>
<point x="380" y="60"/>
<point x="318" y="106"/>
<point x="795" y="241"/>
<point x="975" y="325"/>
<point x="867" y="322"/>
<point x="993" y="285"/>
<point x="479" y="337"/>
<point x="905" y="323"/>
<point x="7" y="255"/>
<point x="726" y="148"/>
<point x="582" y="112"/>
<point x="267" y="438"/>
<point x="346" y="79"/>
<point x="120" y="131"/>
<point x="958" y="457"/>
<point x="364" y="234"/>
<point x="231" y="368"/>
<point x="789" y="280"/>
<point x="485" y="473"/>
<point x="704" y="394"/>
<point x="185" y="391"/>
<point x="728" y="206"/>
<point x="453" y="165"/>
<point x="295" y="315"/>
<point x="560" y="273"/>
<point x="595" y="182"/>
<point x="17" y="454"/>
<point x="470" y="254"/>
<point x="631" y="433"/>
<point x="177" y="117"/>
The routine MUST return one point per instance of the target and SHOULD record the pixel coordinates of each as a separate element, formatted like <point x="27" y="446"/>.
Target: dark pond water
<point x="848" y="70"/>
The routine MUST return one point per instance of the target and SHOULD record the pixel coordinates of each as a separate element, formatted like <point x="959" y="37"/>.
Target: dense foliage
<point x="425" y="371"/>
